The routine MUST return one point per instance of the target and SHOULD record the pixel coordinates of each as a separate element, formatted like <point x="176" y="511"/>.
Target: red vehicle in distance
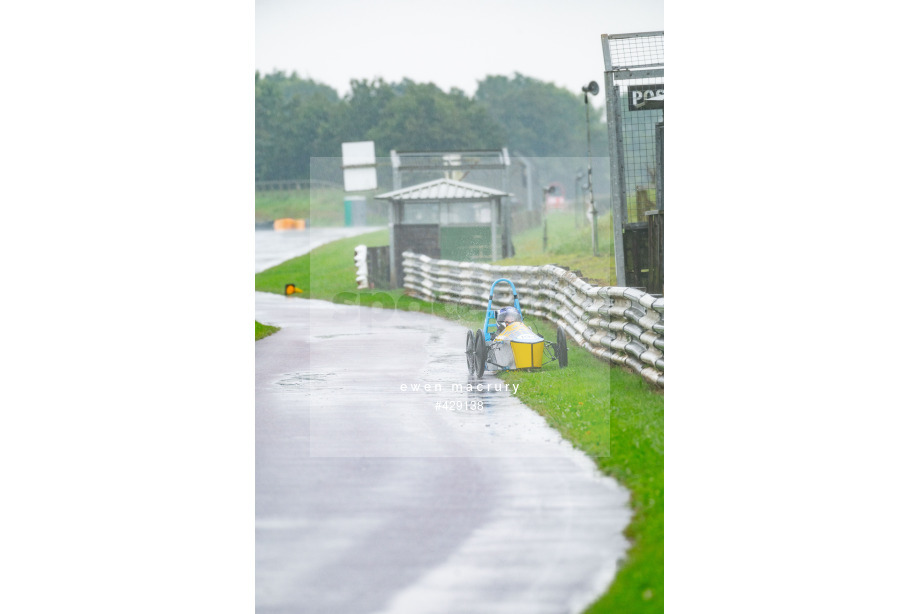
<point x="555" y="197"/>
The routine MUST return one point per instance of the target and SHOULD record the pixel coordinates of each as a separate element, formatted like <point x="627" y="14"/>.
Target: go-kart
<point x="512" y="345"/>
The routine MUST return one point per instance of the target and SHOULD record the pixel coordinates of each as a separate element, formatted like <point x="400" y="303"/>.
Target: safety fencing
<point x="620" y="325"/>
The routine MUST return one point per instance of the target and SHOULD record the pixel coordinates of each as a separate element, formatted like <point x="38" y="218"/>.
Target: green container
<point x="355" y="211"/>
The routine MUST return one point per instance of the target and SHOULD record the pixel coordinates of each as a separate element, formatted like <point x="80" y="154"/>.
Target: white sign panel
<point x="359" y="166"/>
<point x="358" y="154"/>
<point x="360" y="179"/>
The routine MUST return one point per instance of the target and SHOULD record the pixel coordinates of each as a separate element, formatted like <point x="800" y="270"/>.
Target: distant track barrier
<point x="620" y="325"/>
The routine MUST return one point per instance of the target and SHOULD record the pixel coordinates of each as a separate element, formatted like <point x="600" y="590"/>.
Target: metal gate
<point x="634" y="80"/>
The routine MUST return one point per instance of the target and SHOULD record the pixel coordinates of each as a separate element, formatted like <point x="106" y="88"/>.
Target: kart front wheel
<point x="470" y="357"/>
<point x="479" y="352"/>
<point x="562" y="351"/>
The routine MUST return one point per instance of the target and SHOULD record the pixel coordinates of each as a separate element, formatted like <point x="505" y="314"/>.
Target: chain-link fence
<point x="635" y="90"/>
<point x="634" y="80"/>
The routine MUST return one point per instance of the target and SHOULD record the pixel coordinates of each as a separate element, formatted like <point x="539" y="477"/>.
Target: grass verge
<point x="263" y="330"/>
<point x="322" y="206"/>
<point x="617" y="418"/>
<point x="613" y="415"/>
<point x="568" y="245"/>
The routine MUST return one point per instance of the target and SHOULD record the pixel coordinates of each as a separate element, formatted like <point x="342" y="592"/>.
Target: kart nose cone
<point x="527" y="354"/>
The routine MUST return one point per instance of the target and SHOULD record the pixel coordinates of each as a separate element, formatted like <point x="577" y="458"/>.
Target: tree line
<point x="298" y="118"/>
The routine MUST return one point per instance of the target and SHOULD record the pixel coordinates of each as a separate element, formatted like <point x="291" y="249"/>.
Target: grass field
<point x="322" y="206"/>
<point x="612" y="414"/>
<point x="569" y="245"/>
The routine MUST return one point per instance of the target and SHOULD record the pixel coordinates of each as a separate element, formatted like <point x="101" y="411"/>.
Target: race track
<point x="370" y="497"/>
<point x="274" y="247"/>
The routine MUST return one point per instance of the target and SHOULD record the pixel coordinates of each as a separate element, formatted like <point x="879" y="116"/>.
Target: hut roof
<point x="443" y="190"/>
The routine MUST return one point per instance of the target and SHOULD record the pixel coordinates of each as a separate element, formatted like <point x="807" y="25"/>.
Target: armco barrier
<point x="621" y="325"/>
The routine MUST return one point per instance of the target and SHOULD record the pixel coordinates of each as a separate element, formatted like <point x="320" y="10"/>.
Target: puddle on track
<point x="302" y="379"/>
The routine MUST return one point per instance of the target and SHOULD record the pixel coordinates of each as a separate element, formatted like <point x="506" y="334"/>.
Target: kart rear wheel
<point x="470" y="357"/>
<point x="562" y="351"/>
<point x="479" y="352"/>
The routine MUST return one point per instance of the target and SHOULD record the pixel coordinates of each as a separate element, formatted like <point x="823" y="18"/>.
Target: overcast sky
<point x="452" y="44"/>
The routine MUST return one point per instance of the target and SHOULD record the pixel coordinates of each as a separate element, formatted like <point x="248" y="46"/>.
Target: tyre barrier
<point x="361" y="264"/>
<point x="620" y="325"/>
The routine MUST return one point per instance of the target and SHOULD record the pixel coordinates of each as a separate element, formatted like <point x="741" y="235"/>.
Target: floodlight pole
<point x="591" y="88"/>
<point x="545" y="236"/>
<point x="578" y="201"/>
<point x="546" y="190"/>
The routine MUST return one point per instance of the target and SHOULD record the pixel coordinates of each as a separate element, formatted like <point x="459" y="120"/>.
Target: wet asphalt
<point x="274" y="247"/>
<point x="373" y="497"/>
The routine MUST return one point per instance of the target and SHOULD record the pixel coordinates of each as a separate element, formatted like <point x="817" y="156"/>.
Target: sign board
<point x="646" y="97"/>
<point x="359" y="166"/>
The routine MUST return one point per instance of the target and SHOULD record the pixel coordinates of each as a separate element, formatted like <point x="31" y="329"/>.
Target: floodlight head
<point x="592" y="88"/>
